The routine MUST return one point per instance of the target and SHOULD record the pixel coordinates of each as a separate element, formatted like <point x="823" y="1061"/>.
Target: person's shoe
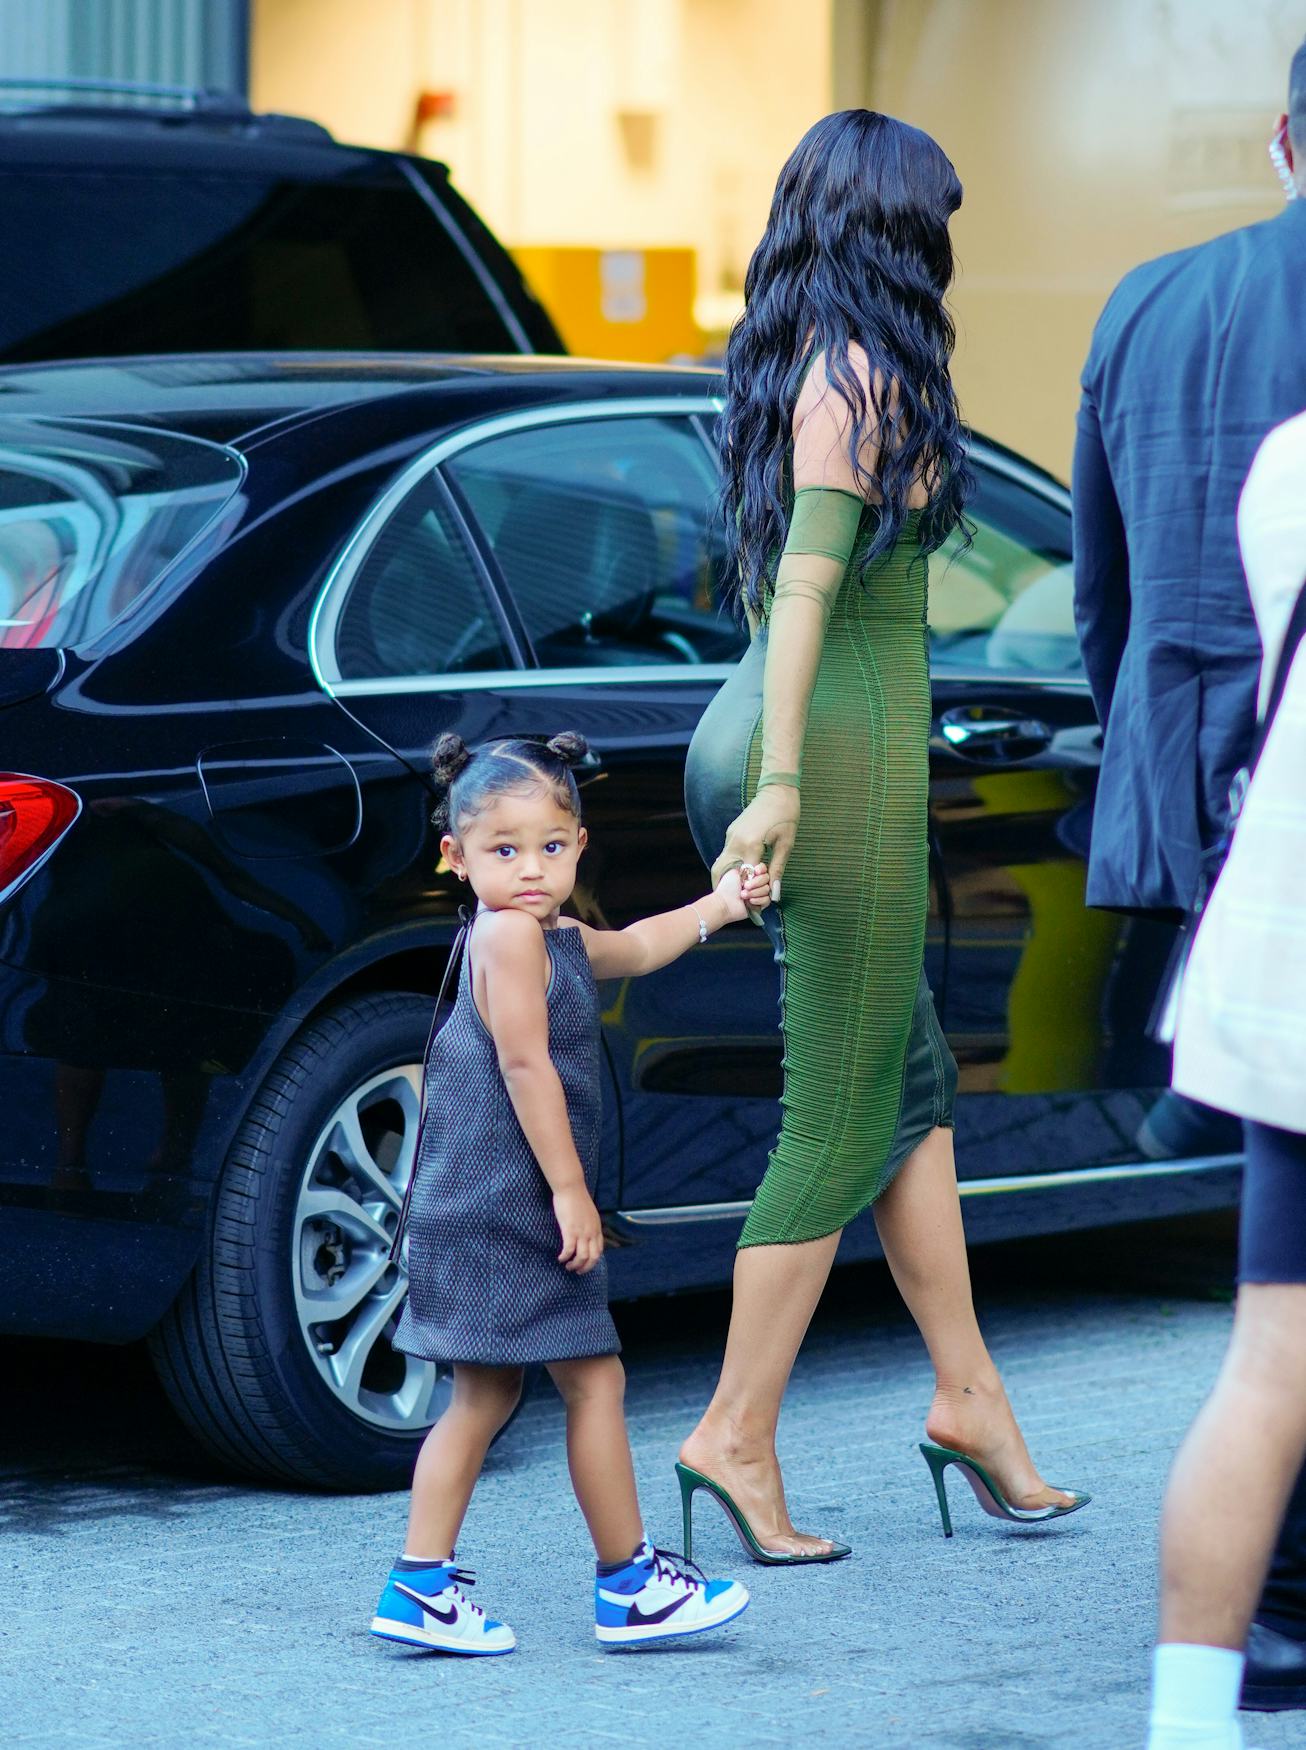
<point x="691" y="1480"/>
<point x="987" y="1492"/>
<point x="1274" y="1677"/>
<point x="1177" y="1126"/>
<point x="657" y="1596"/>
<point x="427" y="1607"/>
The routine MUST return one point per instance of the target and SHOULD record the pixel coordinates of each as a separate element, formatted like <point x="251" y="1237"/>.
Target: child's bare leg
<point x="598" y="1453"/>
<point x="452" y="1455"/>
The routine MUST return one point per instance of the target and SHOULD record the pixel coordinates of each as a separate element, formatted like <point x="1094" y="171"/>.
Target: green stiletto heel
<point x="987" y="1492"/>
<point x="692" y="1480"/>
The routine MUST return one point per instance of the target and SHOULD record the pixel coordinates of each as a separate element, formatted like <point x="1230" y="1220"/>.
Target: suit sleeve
<point x="1101" y="559"/>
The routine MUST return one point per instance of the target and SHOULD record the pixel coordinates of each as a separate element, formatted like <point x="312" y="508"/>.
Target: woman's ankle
<point x="978" y="1378"/>
<point x="729" y="1441"/>
<point x="963" y="1410"/>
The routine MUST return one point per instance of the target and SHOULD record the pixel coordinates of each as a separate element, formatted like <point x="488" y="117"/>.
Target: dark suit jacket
<point x="1194" y="358"/>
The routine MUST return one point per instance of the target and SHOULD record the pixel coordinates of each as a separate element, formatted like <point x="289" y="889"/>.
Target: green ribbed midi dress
<point x="867" y="1072"/>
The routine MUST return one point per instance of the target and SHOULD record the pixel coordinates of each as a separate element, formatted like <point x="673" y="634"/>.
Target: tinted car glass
<point x="1006" y="603"/>
<point x="416" y="606"/>
<point x="603" y="529"/>
<point x="89" y="522"/>
<point x="149" y="261"/>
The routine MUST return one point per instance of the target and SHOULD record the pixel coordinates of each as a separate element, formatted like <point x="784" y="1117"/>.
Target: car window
<point x="202" y="261"/>
<point x="605" y="534"/>
<point x="416" y="604"/>
<point x="1005" y="604"/>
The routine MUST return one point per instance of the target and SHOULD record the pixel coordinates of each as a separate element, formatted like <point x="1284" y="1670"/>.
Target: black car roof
<point x="234" y="398"/>
<point x="229" y="397"/>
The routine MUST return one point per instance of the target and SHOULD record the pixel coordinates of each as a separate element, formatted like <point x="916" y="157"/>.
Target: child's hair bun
<point x="570" y="747"/>
<point x="449" y="756"/>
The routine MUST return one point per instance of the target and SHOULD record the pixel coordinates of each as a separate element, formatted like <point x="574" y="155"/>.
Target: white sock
<point x="1195" y="1698"/>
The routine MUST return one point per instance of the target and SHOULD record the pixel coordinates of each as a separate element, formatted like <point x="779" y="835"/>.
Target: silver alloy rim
<point x="348" y="1296"/>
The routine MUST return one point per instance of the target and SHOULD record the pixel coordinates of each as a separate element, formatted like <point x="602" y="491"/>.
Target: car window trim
<point x="1031" y="480"/>
<point x="326" y="610"/>
<point x="463" y="244"/>
<point x="506" y="679"/>
<point x="489" y="564"/>
<point x="325" y="618"/>
<point x="698" y="408"/>
<point x="490" y="559"/>
<point x="940" y="673"/>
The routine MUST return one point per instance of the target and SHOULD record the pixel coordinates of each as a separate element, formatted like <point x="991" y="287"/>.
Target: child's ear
<point x="582" y="838"/>
<point x="452" y="852"/>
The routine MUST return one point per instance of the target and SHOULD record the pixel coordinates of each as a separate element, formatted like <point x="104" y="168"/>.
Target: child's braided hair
<point x="471" y="777"/>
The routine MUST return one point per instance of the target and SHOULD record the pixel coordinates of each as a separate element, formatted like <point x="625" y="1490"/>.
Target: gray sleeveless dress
<point x="485" y="1284"/>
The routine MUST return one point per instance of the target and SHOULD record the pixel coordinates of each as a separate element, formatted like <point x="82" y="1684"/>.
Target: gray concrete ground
<point x="147" y="1604"/>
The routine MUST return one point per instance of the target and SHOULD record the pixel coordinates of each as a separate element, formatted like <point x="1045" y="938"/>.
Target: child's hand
<point x="581" y="1229"/>
<point x="746" y="889"/>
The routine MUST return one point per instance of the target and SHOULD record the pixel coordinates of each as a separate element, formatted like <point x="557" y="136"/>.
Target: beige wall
<point x="1090" y="135"/>
<point x="346" y="64"/>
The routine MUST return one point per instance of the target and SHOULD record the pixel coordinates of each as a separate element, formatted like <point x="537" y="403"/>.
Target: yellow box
<point x="617" y="303"/>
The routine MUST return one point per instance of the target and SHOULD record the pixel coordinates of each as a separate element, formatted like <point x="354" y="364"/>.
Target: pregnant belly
<point x="717" y="761"/>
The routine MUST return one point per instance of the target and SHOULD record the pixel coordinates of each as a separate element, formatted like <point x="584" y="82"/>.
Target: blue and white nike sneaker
<point x="427" y="1607"/>
<point x="658" y="1597"/>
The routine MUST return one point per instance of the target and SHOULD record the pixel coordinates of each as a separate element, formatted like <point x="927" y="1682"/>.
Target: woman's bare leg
<point x="776" y="1291"/>
<point x="1234" y="1472"/>
<point x="920" y="1228"/>
<point x="598" y="1453"/>
<point x="452" y="1455"/>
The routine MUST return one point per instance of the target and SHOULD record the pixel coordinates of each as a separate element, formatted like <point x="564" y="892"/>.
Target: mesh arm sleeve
<point x="822" y="534"/>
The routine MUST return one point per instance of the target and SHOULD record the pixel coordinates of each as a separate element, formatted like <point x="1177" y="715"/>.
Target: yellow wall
<point x="618" y="303"/>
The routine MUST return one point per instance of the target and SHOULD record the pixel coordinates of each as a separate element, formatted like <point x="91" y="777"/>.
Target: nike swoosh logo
<point x="638" y="1616"/>
<point x="447" y="1617"/>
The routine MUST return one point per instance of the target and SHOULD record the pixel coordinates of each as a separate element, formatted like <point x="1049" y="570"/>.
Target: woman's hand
<point x="745" y="890"/>
<point x="768" y="825"/>
<point x="581" y="1230"/>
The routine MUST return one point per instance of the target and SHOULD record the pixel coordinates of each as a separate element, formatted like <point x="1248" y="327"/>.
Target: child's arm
<point x="515" y="962"/>
<point x="657" y="941"/>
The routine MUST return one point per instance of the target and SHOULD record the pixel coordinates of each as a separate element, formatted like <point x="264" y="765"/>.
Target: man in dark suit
<point x="1195" y="358"/>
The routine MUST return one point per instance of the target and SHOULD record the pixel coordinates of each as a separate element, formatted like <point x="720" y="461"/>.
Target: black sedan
<point x="240" y="596"/>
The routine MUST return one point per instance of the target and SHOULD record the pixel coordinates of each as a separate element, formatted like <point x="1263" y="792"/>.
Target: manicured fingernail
<point x="775" y="890"/>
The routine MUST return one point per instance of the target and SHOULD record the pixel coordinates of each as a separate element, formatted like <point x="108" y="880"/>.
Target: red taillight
<point x="34" y="815"/>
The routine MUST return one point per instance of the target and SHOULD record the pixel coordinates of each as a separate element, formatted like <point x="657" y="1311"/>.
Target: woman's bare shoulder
<point x="822" y="420"/>
<point x="820" y="387"/>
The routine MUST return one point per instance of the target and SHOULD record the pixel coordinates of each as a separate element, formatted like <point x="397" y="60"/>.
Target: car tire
<point x="277" y="1353"/>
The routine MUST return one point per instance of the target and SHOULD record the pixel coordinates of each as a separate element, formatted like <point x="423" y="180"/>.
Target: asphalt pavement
<point x="152" y="1603"/>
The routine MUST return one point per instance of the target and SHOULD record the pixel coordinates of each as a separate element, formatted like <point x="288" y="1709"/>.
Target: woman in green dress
<point x="844" y="468"/>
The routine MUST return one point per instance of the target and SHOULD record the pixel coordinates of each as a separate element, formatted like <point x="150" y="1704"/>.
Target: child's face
<point x="519" y="853"/>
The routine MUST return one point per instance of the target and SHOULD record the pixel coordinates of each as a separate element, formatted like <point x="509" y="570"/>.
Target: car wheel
<point x="279" y="1352"/>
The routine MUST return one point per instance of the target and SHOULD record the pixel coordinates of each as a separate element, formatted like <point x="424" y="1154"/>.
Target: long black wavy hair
<point x="855" y="250"/>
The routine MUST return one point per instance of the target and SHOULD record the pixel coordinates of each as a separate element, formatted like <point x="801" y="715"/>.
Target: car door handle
<point x="987" y="732"/>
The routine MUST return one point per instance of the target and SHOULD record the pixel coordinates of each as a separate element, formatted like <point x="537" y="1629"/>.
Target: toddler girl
<point x="505" y="1245"/>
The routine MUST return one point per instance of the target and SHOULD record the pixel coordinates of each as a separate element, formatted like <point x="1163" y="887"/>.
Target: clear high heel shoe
<point x="692" y="1480"/>
<point x="987" y="1492"/>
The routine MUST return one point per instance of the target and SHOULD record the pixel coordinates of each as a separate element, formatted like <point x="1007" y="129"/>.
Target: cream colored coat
<point x="1240" y="1036"/>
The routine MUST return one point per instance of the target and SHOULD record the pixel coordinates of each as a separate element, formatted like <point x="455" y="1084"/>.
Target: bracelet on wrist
<point x="790" y="779"/>
<point x="702" y="926"/>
